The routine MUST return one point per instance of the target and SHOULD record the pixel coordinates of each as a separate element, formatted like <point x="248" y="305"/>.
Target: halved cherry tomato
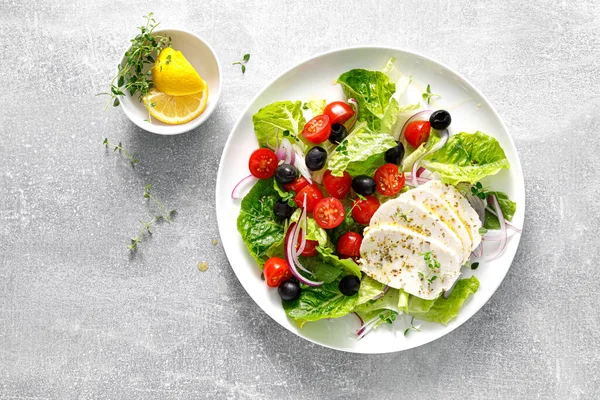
<point x="297" y="185"/>
<point x="263" y="163"/>
<point x="338" y="112"/>
<point x="318" y="129"/>
<point x="313" y="195"/>
<point x="417" y="132"/>
<point x="276" y="271"/>
<point x="310" y="249"/>
<point x="349" y="245"/>
<point x="389" y="180"/>
<point x="329" y="213"/>
<point x="363" y="210"/>
<point x="337" y="186"/>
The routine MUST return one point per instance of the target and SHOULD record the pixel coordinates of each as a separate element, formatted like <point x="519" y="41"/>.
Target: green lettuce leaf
<point x="411" y="157"/>
<point x="318" y="302"/>
<point x="275" y="119"/>
<point x="315" y="232"/>
<point x="346" y="265"/>
<point x="257" y="223"/>
<point x="371" y="308"/>
<point x="321" y="269"/>
<point x="467" y="158"/>
<point x="316" y="106"/>
<point x="508" y="207"/>
<point x="444" y="310"/>
<point x="362" y="152"/>
<point x="372" y="90"/>
<point x="369" y="288"/>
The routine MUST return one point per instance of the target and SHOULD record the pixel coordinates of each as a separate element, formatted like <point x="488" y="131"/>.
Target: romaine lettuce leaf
<point x="362" y="152"/>
<point x="346" y="265"/>
<point x="257" y="223"/>
<point x="467" y="158"/>
<point x="369" y="288"/>
<point x="369" y="309"/>
<point x="276" y="118"/>
<point x="508" y="207"/>
<point x="444" y="310"/>
<point x="316" y="106"/>
<point x="318" y="302"/>
<point x="314" y="231"/>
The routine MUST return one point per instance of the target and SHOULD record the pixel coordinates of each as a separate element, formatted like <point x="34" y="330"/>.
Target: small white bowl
<point x="205" y="61"/>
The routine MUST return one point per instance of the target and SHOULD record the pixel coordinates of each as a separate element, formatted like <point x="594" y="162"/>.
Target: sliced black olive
<point x="282" y="209"/>
<point x="289" y="290"/>
<point x="286" y="173"/>
<point x="395" y="154"/>
<point x="316" y="158"/>
<point x="349" y="285"/>
<point x="338" y="133"/>
<point x="440" y="120"/>
<point x="364" y="185"/>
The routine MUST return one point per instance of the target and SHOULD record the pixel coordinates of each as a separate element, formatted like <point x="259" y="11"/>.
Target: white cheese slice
<point x="396" y="256"/>
<point x="412" y="214"/>
<point x="461" y="206"/>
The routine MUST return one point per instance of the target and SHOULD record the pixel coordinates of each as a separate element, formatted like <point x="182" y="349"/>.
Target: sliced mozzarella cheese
<point x="396" y="256"/>
<point x="430" y="199"/>
<point x="412" y="214"/>
<point x="461" y="207"/>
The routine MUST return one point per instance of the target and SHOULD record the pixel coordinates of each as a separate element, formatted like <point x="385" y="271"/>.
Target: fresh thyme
<point x="146" y="226"/>
<point x="479" y="191"/>
<point x="119" y="147"/>
<point x="131" y="77"/>
<point x="243" y="62"/>
<point x="428" y="95"/>
<point x="475" y="265"/>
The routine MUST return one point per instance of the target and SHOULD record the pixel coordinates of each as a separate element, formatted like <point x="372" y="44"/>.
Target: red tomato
<point x="389" y="180"/>
<point x="349" y="244"/>
<point x="310" y="249"/>
<point x="313" y="195"/>
<point x="329" y="213"/>
<point x="297" y="185"/>
<point x="417" y="132"/>
<point x="363" y="210"/>
<point x="276" y="271"/>
<point x="338" y="112"/>
<point x="317" y="130"/>
<point x="337" y="186"/>
<point x="263" y="163"/>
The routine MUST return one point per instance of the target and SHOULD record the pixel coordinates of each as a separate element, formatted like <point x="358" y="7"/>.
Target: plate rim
<point x="228" y="144"/>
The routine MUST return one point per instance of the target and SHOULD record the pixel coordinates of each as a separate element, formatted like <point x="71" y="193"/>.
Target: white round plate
<point x="313" y="79"/>
<point x="204" y="60"/>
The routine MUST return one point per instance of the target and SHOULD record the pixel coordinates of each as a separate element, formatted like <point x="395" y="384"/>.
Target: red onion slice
<point x="477" y="205"/>
<point x="443" y="139"/>
<point x="299" y="163"/>
<point x="237" y="190"/>
<point x="302" y="224"/>
<point x="503" y="234"/>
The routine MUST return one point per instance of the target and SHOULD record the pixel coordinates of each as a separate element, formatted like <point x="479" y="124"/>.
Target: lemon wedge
<point x="174" y="75"/>
<point x="175" y="110"/>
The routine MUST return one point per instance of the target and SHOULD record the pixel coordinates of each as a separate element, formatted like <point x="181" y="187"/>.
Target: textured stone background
<point x="81" y="318"/>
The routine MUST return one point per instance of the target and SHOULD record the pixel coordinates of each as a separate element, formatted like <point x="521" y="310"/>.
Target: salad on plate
<point x="370" y="206"/>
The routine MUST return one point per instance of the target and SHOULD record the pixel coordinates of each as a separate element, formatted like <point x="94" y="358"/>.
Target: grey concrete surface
<point x="82" y="318"/>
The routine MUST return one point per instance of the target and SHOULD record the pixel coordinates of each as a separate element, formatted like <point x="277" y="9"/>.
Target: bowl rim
<point x="196" y="122"/>
<point x="220" y="207"/>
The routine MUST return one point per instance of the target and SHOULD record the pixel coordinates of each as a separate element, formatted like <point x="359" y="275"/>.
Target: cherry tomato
<point x="310" y="249"/>
<point x="329" y="213"/>
<point x="276" y="271"/>
<point x="389" y="180"/>
<point x="318" y="129"/>
<point x="363" y="210"/>
<point x="263" y="163"/>
<point x="313" y="195"/>
<point x="337" y="186"/>
<point x="338" y="112"/>
<point x="297" y="185"/>
<point x="417" y="132"/>
<point x="349" y="244"/>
